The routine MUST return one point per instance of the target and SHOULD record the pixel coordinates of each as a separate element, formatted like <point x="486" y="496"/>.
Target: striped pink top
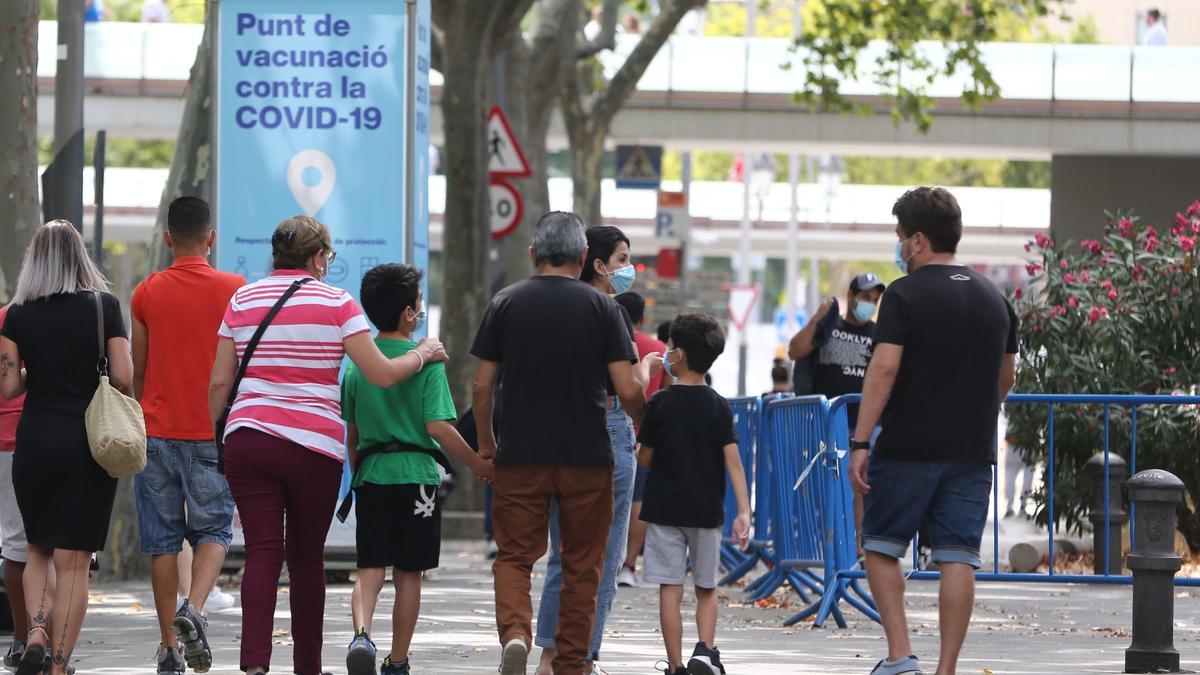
<point x="291" y="386"/>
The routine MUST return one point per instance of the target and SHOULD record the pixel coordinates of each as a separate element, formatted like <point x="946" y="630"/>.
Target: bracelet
<point x="420" y="359"/>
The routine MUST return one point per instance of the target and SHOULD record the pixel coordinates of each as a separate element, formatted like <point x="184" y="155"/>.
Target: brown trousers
<point x="521" y="517"/>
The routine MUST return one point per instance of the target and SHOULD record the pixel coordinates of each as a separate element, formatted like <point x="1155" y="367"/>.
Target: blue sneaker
<point x="908" y="665"/>
<point x="360" y="658"/>
<point x="392" y="668"/>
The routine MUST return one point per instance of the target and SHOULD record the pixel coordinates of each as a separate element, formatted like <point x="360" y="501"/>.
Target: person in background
<point x="944" y="362"/>
<point x="610" y="271"/>
<point x="155" y="11"/>
<point x="553" y="447"/>
<point x="688" y="440"/>
<point x="64" y="496"/>
<point x="781" y="382"/>
<point x="1156" y="31"/>
<point x="13" y="546"/>
<point x="181" y="496"/>
<point x="635" y="305"/>
<point x="94" y="11"/>
<point x="395" y="439"/>
<point x="664" y="333"/>
<point x="284" y="437"/>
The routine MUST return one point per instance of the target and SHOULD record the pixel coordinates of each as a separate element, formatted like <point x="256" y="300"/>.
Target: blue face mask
<point x="864" y="311"/>
<point x="901" y="261"/>
<point x="667" y="364"/>
<point x="622" y="279"/>
<point x="419" y="319"/>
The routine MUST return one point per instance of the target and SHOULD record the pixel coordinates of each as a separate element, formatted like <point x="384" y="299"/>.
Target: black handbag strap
<point x="254" y="340"/>
<point x="102" y="361"/>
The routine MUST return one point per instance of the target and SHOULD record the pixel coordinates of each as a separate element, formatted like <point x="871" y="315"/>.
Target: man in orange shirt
<point x="181" y="495"/>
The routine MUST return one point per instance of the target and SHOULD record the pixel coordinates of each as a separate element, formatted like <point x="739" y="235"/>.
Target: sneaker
<point x="13" y="657"/>
<point x="705" y="661"/>
<point x="908" y="665"/>
<point x="390" y="668"/>
<point x="218" y="599"/>
<point x="666" y="669"/>
<point x="190" y="628"/>
<point x="170" y="661"/>
<point x="627" y="578"/>
<point x="360" y="657"/>
<point x="491" y="550"/>
<point x="514" y="657"/>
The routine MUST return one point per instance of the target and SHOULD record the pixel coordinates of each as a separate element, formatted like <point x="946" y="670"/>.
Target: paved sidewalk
<point x="1019" y="628"/>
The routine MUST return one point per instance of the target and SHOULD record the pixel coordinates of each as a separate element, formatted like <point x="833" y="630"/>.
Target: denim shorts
<point x="181" y="495"/>
<point x="947" y="500"/>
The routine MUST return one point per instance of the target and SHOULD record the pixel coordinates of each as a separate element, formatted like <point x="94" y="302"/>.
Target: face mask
<point x="622" y="279"/>
<point x="667" y="364"/>
<point x="864" y="311"/>
<point x="420" y="320"/>
<point x="901" y="261"/>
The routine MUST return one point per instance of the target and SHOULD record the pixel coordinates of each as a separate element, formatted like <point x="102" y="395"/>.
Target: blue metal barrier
<point x="746" y="413"/>
<point x="842" y="572"/>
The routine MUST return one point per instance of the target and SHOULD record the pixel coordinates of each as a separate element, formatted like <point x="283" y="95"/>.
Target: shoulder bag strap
<point x="102" y="361"/>
<point x="254" y="340"/>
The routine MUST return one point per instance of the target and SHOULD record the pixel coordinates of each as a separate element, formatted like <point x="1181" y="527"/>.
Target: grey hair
<point x="558" y="239"/>
<point x="56" y="262"/>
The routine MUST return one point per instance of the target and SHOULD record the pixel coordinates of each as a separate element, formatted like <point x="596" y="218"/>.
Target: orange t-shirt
<point x="10" y="411"/>
<point x="181" y="308"/>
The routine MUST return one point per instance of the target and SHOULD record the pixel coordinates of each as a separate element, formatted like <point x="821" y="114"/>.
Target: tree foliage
<point x="1120" y="315"/>
<point x="838" y="34"/>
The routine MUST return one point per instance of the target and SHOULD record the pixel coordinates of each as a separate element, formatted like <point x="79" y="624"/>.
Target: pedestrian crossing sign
<point x="639" y="166"/>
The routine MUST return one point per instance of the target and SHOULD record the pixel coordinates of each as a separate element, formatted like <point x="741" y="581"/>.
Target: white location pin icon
<point x="311" y="198"/>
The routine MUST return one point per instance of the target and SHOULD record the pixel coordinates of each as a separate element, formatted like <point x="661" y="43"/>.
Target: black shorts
<point x="398" y="526"/>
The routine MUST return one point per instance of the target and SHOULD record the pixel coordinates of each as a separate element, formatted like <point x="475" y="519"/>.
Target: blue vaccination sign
<point x="314" y="117"/>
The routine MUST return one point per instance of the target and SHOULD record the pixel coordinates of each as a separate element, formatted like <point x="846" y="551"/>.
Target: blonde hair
<point x="296" y="240"/>
<point x="56" y="262"/>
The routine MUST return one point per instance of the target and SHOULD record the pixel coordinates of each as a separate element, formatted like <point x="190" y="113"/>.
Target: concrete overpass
<point x="1119" y="123"/>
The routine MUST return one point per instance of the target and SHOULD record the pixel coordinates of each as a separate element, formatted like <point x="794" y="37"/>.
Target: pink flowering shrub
<point x="1117" y="315"/>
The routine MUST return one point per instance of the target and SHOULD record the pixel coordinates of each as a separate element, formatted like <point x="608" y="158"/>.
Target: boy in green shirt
<point x="393" y="436"/>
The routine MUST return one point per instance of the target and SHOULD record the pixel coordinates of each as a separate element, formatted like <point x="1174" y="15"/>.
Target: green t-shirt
<point x="397" y="414"/>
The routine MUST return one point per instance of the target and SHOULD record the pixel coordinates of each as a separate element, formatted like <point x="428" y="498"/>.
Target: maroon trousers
<point x="272" y="478"/>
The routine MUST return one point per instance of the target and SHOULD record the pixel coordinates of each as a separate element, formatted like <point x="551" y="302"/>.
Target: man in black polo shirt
<point x="944" y="361"/>
<point x="556" y="338"/>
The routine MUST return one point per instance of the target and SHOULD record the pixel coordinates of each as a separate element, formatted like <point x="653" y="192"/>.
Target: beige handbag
<point x="116" y="429"/>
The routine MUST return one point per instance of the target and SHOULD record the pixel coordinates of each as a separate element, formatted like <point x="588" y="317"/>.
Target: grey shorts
<point x="669" y="550"/>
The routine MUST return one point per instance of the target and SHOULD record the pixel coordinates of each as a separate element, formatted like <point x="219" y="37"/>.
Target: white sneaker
<point x="514" y="658"/>
<point x="627" y="578"/>
<point x="218" y="599"/>
<point x="491" y="551"/>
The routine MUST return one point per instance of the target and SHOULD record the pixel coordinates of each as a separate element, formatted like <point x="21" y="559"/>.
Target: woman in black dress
<point x="49" y="348"/>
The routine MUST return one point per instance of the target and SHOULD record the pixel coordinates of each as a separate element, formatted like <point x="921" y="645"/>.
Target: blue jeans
<point x="179" y="474"/>
<point x="620" y="433"/>
<point x="946" y="500"/>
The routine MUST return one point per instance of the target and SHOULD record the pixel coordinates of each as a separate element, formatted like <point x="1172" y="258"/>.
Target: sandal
<point x="34" y="658"/>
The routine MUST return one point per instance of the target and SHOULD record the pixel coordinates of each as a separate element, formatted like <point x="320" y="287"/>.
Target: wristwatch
<point x="860" y="445"/>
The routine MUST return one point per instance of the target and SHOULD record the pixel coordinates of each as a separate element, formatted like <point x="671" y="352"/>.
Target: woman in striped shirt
<point x="284" y="439"/>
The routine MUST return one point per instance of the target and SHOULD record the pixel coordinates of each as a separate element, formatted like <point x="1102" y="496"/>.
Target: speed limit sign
<point x="505" y="208"/>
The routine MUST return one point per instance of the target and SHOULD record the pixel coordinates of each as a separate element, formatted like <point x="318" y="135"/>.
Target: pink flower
<point x="1094" y="315"/>
<point x="1104" y="312"/>
<point x="1033" y="268"/>
<point x="1090" y="245"/>
<point x="1108" y="284"/>
<point x="1112" y="295"/>
<point x="1018" y="294"/>
<point x="1028" y="248"/>
<point x="1175" y="290"/>
<point x="1193" y="209"/>
<point x="1138" y="273"/>
<point x="1063" y="264"/>
<point x="1169" y="371"/>
<point x="1085" y="277"/>
<point x="1125" y="227"/>
<point x="1069" y="278"/>
<point x="1187" y="244"/>
<point x="1181" y="221"/>
<point x="1151" y="244"/>
<point x="1073" y="303"/>
<point x="1042" y="240"/>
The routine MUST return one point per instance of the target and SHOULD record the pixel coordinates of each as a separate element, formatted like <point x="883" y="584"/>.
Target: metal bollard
<point x="1155" y="494"/>
<point x="1117" y="516"/>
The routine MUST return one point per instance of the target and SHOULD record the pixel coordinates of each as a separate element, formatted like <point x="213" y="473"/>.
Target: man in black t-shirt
<point x="558" y="341"/>
<point x="944" y="361"/>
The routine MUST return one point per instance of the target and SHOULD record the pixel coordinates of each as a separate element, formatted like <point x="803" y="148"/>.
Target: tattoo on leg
<point x="59" y="654"/>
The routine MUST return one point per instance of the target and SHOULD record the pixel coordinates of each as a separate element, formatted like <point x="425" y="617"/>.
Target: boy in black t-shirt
<point x="689" y="443"/>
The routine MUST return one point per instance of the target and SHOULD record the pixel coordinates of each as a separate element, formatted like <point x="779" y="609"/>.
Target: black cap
<point x="866" y="282"/>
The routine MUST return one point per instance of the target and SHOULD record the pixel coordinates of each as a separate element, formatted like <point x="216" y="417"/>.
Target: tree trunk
<point x="191" y="165"/>
<point x="587" y="164"/>
<point x="19" y="212"/>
